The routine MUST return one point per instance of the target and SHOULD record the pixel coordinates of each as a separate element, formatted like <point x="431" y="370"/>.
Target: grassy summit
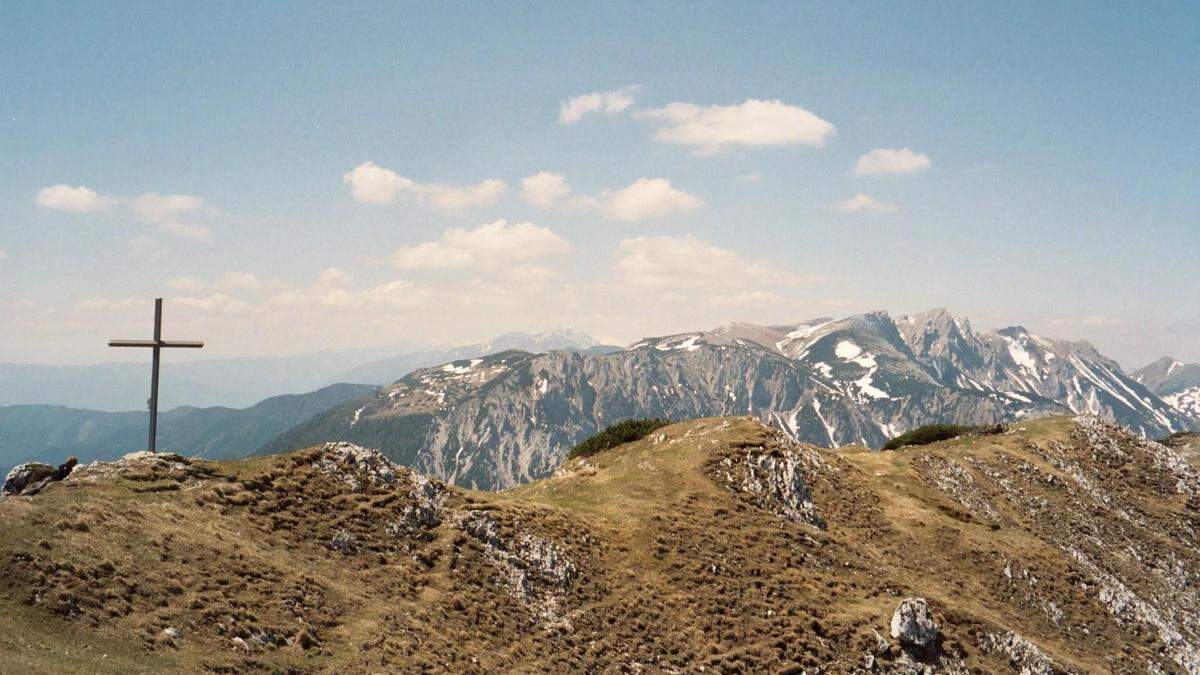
<point x="713" y="543"/>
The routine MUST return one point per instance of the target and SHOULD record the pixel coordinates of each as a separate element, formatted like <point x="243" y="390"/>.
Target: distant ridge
<point x="507" y="418"/>
<point x="50" y="433"/>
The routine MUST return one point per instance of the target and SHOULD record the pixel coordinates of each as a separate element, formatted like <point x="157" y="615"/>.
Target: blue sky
<point x="1052" y="172"/>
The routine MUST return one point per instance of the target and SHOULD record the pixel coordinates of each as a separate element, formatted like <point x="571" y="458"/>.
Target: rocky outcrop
<point x="26" y="476"/>
<point x="33" y="477"/>
<point x="773" y="477"/>
<point x="536" y="572"/>
<point x="354" y="465"/>
<point x="913" y="624"/>
<point x="1022" y="655"/>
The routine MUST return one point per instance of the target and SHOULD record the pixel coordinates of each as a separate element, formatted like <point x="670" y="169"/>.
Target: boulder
<point x="913" y="624"/>
<point x="27" y="476"/>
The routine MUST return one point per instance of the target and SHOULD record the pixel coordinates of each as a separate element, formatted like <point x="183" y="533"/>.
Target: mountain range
<point x="1177" y="383"/>
<point x="388" y="370"/>
<point x="48" y="434"/>
<point x="504" y="419"/>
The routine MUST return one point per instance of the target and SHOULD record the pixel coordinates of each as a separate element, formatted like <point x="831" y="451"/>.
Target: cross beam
<point x="157" y="344"/>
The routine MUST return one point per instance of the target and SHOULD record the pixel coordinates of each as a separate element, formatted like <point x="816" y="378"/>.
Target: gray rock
<point x="537" y="572"/>
<point x="344" y="542"/>
<point x="775" y="478"/>
<point x="913" y="624"/>
<point x="1023" y="655"/>
<point x="27" y="478"/>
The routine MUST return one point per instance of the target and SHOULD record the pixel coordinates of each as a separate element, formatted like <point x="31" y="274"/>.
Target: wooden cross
<point x="157" y="344"/>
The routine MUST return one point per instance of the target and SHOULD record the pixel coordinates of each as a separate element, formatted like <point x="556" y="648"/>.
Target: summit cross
<point x="157" y="344"/>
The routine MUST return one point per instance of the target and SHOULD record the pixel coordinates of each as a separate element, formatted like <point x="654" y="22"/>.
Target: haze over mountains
<point x="242" y="382"/>
<point x="46" y="433"/>
<point x="504" y="412"/>
<point x="508" y="418"/>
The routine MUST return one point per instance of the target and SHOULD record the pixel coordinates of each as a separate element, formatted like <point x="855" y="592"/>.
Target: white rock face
<point x="913" y="624"/>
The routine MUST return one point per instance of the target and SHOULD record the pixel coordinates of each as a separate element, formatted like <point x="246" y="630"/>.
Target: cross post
<point x="157" y="345"/>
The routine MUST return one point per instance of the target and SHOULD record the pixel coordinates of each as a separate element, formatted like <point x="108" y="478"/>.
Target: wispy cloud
<point x="491" y="246"/>
<point x="164" y="211"/>
<point x="374" y="184"/>
<point x="76" y="199"/>
<point x="861" y="203"/>
<point x="891" y="160"/>
<point x="643" y="199"/>
<point x="753" y="123"/>
<point x="608" y="102"/>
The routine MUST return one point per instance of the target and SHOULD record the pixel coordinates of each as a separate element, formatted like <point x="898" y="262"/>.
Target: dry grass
<point x="675" y="570"/>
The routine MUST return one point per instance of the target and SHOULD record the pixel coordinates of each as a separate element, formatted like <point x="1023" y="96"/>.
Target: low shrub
<point x="930" y="433"/>
<point x="621" y="432"/>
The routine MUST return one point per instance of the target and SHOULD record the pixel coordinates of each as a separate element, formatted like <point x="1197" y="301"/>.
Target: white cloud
<point x="218" y="303"/>
<point x="376" y="185"/>
<point x="77" y="199"/>
<point x="608" y="102"/>
<point x="111" y="304"/>
<point x="752" y="177"/>
<point x="187" y="284"/>
<point x="164" y="211"/>
<point x="544" y="189"/>
<point x="686" y="263"/>
<point x="150" y="207"/>
<point x="332" y="277"/>
<point x="452" y="198"/>
<point x="643" y="199"/>
<point x="754" y="123"/>
<point x="3" y="254"/>
<point x="647" y="198"/>
<point x="891" y="160"/>
<point x="232" y="281"/>
<point x="861" y="203"/>
<point x="492" y="246"/>
<point x="245" y="281"/>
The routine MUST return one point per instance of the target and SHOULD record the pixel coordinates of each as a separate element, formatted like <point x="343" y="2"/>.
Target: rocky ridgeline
<point x="534" y="571"/>
<point x="1124" y="510"/>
